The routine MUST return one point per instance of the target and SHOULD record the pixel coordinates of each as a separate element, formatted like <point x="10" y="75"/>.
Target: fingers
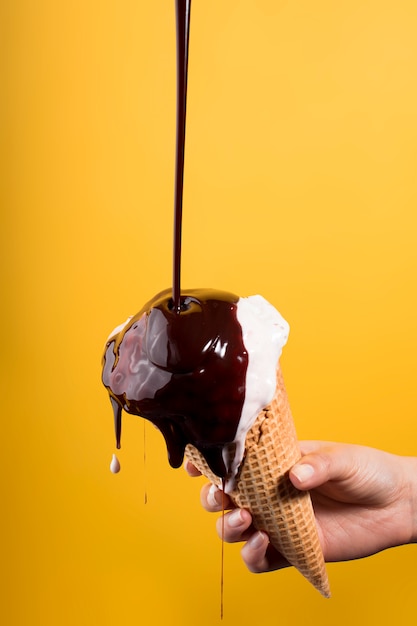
<point x="235" y="526"/>
<point x="254" y="553"/>
<point x="191" y="469"/>
<point x="257" y="553"/>
<point x="259" y="556"/>
<point x="214" y="499"/>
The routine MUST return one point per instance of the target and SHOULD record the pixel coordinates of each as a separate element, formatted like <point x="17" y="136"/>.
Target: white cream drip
<point x="115" y="465"/>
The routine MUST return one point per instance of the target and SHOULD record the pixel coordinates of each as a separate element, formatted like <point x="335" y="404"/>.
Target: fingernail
<point x="234" y="518"/>
<point x="211" y="496"/>
<point x="303" y="471"/>
<point x="257" y="540"/>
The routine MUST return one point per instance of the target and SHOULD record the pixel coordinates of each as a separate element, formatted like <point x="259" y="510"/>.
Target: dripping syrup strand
<point x="222" y="557"/>
<point x="183" y="8"/>
<point x="145" y="481"/>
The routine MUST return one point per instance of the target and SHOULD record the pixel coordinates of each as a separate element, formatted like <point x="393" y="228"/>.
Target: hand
<point x="365" y="500"/>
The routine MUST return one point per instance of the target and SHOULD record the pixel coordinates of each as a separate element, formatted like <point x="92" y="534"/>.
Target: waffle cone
<point x="263" y="487"/>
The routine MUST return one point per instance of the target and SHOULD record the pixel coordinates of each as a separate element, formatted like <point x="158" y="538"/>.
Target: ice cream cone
<point x="263" y="487"/>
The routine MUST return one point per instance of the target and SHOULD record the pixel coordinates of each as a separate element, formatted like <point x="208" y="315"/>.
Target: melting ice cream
<point x="201" y="375"/>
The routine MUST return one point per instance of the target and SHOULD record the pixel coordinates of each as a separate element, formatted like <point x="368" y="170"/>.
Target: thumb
<point x="321" y="463"/>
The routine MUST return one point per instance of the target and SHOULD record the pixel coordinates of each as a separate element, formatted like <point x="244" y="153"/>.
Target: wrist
<point x="411" y="496"/>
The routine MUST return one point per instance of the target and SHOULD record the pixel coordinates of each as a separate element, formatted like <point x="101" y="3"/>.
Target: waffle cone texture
<point x="263" y="487"/>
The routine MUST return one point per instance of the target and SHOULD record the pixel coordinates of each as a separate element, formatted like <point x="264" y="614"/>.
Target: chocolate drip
<point x="117" y="411"/>
<point x="184" y="372"/>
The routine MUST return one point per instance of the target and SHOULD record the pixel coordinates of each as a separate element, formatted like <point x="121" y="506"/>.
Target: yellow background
<point x="300" y="184"/>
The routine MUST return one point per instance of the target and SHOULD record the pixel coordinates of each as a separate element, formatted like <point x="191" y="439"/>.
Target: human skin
<point x="365" y="500"/>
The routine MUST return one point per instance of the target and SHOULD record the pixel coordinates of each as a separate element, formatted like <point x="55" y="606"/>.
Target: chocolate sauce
<point x="184" y="372"/>
<point x="183" y="8"/>
<point x="181" y="362"/>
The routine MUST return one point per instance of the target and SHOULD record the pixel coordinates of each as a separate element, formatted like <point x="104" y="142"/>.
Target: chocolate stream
<point x="183" y="8"/>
